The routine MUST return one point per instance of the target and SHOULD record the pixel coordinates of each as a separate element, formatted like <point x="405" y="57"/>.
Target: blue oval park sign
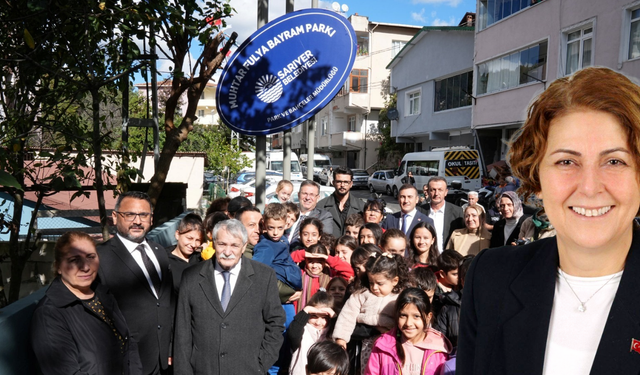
<point x="286" y="72"/>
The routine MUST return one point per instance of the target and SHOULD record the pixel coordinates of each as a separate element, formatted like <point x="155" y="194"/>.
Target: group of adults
<point x="563" y="304"/>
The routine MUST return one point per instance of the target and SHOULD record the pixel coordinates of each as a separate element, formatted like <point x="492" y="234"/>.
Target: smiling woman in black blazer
<point x="569" y="304"/>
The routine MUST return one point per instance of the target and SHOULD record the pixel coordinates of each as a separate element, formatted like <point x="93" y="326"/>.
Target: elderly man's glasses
<point x="131" y="216"/>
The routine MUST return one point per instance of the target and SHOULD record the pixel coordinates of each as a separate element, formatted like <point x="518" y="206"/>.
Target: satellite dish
<point x="335" y="6"/>
<point x="392" y="114"/>
<point x="345" y="8"/>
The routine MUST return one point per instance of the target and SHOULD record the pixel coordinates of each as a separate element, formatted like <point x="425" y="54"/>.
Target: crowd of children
<point x="391" y="300"/>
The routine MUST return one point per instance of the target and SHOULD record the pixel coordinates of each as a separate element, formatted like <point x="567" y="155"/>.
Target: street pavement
<point x="364" y="194"/>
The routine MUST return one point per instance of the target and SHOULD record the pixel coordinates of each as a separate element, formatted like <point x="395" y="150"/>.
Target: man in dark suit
<point x="137" y="273"/>
<point x="446" y="216"/>
<point x="341" y="203"/>
<point x="229" y="319"/>
<point x="308" y="200"/>
<point x="409" y="216"/>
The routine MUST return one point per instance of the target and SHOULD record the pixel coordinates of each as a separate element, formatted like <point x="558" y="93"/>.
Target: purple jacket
<point x="384" y="357"/>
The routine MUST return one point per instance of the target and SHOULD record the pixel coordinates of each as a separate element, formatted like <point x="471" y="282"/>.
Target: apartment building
<point x="521" y="46"/>
<point x="433" y="79"/>
<point x="207" y="113"/>
<point x="346" y="128"/>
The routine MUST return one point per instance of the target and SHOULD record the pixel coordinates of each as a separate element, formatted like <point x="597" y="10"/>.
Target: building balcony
<point x="351" y="103"/>
<point x="341" y="141"/>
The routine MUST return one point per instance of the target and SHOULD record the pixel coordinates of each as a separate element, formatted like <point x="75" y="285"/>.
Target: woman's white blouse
<point x="574" y="336"/>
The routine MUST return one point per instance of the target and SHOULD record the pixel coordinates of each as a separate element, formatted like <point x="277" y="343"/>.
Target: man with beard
<point x="137" y="273"/>
<point x="341" y="204"/>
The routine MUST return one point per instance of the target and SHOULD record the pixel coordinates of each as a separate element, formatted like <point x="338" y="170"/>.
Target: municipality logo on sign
<point x="286" y="72"/>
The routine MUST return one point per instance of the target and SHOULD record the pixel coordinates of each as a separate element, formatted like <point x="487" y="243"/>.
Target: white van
<point x="453" y="163"/>
<point x="319" y="161"/>
<point x="274" y="163"/>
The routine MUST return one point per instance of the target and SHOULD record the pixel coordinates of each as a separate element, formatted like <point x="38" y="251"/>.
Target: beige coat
<point x="468" y="243"/>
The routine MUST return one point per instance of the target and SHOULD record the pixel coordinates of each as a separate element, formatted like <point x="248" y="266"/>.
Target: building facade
<point x="347" y="128"/>
<point x="523" y="45"/>
<point x="433" y="79"/>
<point x="207" y="113"/>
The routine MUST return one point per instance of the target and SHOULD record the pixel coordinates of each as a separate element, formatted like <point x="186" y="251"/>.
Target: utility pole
<point x="261" y="140"/>
<point x="286" y="141"/>
<point x="311" y="132"/>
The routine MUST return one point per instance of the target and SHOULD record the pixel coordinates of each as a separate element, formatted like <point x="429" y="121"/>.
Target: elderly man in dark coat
<point x="229" y="319"/>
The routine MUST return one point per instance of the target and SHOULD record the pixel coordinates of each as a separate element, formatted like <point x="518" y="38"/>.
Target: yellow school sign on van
<point x="462" y="163"/>
<point x="453" y="163"/>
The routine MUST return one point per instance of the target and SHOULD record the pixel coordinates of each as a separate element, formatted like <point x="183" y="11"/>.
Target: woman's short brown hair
<point x="597" y="89"/>
<point x="61" y="248"/>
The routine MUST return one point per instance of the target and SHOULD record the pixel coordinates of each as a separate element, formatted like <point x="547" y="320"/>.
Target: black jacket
<point x="69" y="338"/>
<point x="356" y="206"/>
<point x="448" y="318"/>
<point x="506" y="310"/>
<point x="150" y="319"/>
<point x="497" y="234"/>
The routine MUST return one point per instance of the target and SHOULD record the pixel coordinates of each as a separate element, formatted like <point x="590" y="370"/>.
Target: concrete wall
<point x="16" y="355"/>
<point x="184" y="169"/>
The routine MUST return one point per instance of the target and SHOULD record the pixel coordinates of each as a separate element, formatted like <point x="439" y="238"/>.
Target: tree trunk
<point x="97" y="148"/>
<point x="15" y="247"/>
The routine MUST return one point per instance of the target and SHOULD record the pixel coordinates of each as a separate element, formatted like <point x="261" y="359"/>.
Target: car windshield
<point x="360" y="173"/>
<point x="389" y="175"/>
<point x="321" y="163"/>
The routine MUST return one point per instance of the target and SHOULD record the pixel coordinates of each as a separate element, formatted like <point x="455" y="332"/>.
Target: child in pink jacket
<point x="421" y="350"/>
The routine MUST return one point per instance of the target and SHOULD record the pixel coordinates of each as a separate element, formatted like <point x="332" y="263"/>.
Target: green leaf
<point x="29" y="39"/>
<point x="8" y="180"/>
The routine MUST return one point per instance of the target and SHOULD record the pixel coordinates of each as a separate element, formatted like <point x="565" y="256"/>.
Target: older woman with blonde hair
<point x="566" y="304"/>
<point x="474" y="237"/>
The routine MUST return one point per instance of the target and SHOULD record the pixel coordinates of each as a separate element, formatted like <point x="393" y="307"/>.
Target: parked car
<point x="249" y="186"/>
<point x="382" y="181"/>
<point x="247" y="176"/>
<point x="360" y="179"/>
<point x="324" y="175"/>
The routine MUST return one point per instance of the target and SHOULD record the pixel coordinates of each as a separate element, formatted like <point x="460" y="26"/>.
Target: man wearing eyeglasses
<point x="308" y="201"/>
<point x="341" y="204"/>
<point x="137" y="273"/>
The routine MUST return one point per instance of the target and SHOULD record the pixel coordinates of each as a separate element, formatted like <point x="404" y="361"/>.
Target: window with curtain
<point x="413" y="102"/>
<point x="492" y="11"/>
<point x="578" y="49"/>
<point x="359" y="80"/>
<point x="351" y="120"/>
<point x="634" y="35"/>
<point x="518" y="68"/>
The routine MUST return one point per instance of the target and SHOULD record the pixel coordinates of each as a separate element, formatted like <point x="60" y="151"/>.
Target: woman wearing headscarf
<point x="507" y="229"/>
